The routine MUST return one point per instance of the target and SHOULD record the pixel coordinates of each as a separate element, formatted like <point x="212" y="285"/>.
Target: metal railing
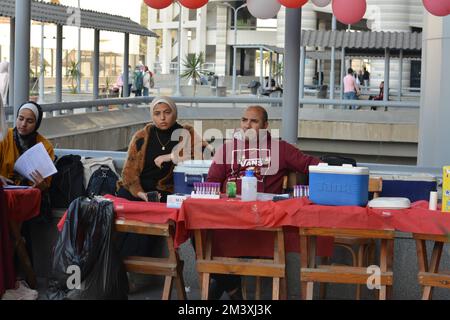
<point x="92" y="105"/>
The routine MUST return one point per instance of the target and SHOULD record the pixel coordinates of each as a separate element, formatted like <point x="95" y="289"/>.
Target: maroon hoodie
<point x="271" y="160"/>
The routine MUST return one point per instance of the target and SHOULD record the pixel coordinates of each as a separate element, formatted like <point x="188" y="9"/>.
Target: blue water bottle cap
<point x="249" y="173"/>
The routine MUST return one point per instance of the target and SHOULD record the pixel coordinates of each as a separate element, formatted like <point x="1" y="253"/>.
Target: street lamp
<point x="235" y="11"/>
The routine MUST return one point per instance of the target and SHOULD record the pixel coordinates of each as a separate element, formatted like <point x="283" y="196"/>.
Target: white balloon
<point x="263" y="9"/>
<point x="321" y="3"/>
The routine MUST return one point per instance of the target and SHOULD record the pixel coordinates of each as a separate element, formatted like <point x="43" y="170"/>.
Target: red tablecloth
<point x="149" y="212"/>
<point x="233" y="214"/>
<point x="23" y="204"/>
<point x="7" y="274"/>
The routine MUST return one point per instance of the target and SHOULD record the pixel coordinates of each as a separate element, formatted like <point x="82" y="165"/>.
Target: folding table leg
<point x="167" y="288"/>
<point x="205" y="285"/>
<point x="276" y="289"/>
<point x="434" y="268"/>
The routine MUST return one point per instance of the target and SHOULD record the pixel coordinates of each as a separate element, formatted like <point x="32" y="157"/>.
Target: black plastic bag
<point x="86" y="245"/>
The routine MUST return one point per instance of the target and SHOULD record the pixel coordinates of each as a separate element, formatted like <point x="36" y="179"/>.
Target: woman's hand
<point x="143" y="196"/>
<point x="5" y="181"/>
<point x="37" y="178"/>
<point x="161" y="159"/>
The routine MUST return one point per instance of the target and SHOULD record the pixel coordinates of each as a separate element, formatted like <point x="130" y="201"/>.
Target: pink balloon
<point x="193" y="4"/>
<point x="293" y="3"/>
<point x="438" y="8"/>
<point x="349" y="11"/>
<point x="158" y="4"/>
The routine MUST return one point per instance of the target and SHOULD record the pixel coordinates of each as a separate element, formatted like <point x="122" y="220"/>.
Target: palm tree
<point x="193" y="68"/>
<point x="72" y="74"/>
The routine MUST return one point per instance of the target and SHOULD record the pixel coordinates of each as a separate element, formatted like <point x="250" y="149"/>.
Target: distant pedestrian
<point x="350" y="87"/>
<point x="148" y="80"/>
<point x="366" y="78"/>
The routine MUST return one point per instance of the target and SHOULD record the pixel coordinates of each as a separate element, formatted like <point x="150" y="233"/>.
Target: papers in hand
<point x="35" y="159"/>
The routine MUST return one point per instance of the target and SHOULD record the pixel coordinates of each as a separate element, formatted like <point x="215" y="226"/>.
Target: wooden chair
<point x="310" y="272"/>
<point x="365" y="246"/>
<point x="274" y="268"/>
<point x="170" y="267"/>
<point x="429" y="275"/>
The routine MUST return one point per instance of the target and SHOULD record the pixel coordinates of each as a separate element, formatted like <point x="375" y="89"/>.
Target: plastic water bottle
<point x="249" y="186"/>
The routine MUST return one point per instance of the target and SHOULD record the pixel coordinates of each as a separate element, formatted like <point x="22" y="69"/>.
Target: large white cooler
<point x="338" y="185"/>
<point x="189" y="172"/>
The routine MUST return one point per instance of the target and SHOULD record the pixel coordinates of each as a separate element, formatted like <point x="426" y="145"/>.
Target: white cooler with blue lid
<point x="338" y="185"/>
<point x="189" y="172"/>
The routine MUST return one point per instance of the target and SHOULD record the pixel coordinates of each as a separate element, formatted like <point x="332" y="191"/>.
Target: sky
<point x="127" y="8"/>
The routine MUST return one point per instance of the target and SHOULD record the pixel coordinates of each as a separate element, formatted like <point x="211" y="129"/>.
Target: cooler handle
<point x="190" y="179"/>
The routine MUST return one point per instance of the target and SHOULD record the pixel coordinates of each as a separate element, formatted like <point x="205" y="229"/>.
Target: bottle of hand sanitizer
<point x="249" y="186"/>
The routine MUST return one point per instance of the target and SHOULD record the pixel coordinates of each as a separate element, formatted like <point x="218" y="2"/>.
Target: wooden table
<point x="429" y="275"/>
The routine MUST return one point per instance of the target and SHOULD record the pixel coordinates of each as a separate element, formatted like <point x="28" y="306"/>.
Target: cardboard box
<point x="446" y="189"/>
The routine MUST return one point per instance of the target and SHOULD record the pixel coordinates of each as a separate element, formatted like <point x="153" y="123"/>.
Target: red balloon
<point x="349" y="11"/>
<point x="193" y="4"/>
<point x="294" y="4"/>
<point x="438" y="8"/>
<point x="158" y="4"/>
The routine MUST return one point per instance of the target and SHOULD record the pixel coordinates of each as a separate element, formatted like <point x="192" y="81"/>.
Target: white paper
<point x="35" y="158"/>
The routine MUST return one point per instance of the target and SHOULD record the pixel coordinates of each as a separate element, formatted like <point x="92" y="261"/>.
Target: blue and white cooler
<point x="338" y="185"/>
<point x="189" y="172"/>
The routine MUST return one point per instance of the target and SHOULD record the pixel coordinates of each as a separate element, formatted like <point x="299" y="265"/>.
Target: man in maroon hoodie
<point x="253" y="147"/>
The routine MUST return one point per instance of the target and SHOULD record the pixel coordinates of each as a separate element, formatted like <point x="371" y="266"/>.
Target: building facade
<point x="211" y="30"/>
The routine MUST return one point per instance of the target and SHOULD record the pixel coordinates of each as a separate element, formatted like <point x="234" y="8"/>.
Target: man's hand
<point x="161" y="159"/>
<point x="37" y="178"/>
<point x="143" y="196"/>
<point x="5" y="181"/>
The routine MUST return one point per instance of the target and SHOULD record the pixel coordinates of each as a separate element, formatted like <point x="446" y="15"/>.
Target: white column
<point x="434" y="127"/>
<point x="200" y="42"/>
<point x="399" y="19"/>
<point x="309" y="22"/>
<point x="221" y="41"/>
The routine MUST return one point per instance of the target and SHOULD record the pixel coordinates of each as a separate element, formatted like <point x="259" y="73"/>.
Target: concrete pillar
<point x="291" y="75"/>
<point x="400" y="76"/>
<point x="387" y="65"/>
<point x="261" y="66"/>
<point x="96" y="63"/>
<point x="333" y="59"/>
<point x="12" y="40"/>
<point x="42" y="67"/>
<point x="22" y="48"/>
<point x="126" y="62"/>
<point x="343" y="72"/>
<point x="59" y="58"/>
<point x="434" y="128"/>
<point x="302" y="73"/>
